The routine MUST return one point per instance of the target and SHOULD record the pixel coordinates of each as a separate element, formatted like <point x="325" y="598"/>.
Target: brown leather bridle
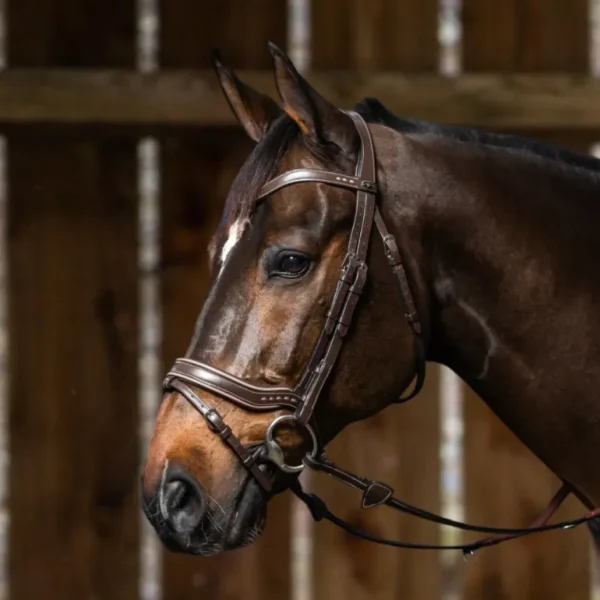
<point x="303" y="397"/>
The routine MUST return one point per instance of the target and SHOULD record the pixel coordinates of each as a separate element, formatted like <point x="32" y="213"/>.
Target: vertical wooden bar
<point x="505" y="484"/>
<point x="401" y="445"/>
<point x="197" y="171"/>
<point x="72" y="244"/>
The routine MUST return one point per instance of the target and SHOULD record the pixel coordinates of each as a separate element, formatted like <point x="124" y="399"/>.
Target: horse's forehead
<point x="301" y="200"/>
<point x="299" y="204"/>
<point x="298" y="157"/>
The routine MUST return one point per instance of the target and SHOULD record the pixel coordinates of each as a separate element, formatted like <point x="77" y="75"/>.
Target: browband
<point x="316" y="176"/>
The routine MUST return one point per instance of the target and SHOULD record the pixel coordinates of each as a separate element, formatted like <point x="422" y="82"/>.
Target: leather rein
<point x="303" y="397"/>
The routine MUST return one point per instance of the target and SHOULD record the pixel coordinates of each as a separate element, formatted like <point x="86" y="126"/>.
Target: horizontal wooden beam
<point x="193" y="99"/>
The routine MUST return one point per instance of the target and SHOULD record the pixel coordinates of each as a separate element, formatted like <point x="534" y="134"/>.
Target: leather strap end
<point x="342" y="329"/>
<point x="376" y="494"/>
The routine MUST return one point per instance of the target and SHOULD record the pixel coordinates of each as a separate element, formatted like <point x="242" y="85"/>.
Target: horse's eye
<point x="291" y="264"/>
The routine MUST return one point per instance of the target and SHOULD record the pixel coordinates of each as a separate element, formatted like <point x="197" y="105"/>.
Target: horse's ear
<point x="316" y="117"/>
<point x="255" y="111"/>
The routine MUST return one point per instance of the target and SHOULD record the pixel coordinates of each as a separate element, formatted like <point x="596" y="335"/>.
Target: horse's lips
<point x="248" y="516"/>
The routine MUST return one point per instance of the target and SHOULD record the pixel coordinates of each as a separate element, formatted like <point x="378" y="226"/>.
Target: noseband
<point x="302" y="399"/>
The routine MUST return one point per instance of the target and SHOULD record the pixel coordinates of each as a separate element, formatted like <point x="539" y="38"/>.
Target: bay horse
<point x="356" y="246"/>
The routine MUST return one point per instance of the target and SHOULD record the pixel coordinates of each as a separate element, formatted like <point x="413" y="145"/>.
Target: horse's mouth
<point x="248" y="518"/>
<point x="226" y="525"/>
<point x="245" y="524"/>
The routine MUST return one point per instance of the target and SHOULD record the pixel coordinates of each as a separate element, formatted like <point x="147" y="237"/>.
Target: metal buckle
<point x="391" y="250"/>
<point x="214" y="421"/>
<point x="274" y="453"/>
<point x="369" y="186"/>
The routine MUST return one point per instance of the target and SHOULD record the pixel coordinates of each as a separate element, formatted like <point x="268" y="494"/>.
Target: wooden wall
<point x="74" y="313"/>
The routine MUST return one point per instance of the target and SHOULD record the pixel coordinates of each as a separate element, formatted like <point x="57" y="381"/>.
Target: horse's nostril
<point x="177" y="495"/>
<point x="182" y="502"/>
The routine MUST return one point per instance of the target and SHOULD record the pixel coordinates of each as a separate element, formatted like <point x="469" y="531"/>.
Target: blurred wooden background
<point x="95" y="315"/>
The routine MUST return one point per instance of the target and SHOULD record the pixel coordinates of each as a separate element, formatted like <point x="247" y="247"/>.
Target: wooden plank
<point x="177" y="98"/>
<point x="401" y="445"/>
<point x="196" y="175"/>
<point x="72" y="264"/>
<point x="529" y="36"/>
<point x="378" y="33"/>
<point x="505" y="483"/>
<point x="73" y="412"/>
<point x="240" y="29"/>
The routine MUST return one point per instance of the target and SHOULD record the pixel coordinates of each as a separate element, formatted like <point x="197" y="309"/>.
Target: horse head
<point x="303" y="329"/>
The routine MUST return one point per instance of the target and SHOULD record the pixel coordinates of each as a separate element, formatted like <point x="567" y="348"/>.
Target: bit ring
<point x="274" y="452"/>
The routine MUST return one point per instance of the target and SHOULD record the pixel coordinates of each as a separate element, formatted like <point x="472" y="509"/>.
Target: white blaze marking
<point x="235" y="233"/>
<point x="162" y="504"/>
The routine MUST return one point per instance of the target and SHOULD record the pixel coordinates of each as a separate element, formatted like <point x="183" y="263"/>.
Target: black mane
<point x="374" y="112"/>
<point x="258" y="168"/>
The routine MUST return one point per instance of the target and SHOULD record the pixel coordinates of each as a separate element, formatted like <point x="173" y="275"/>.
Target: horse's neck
<point x="513" y="292"/>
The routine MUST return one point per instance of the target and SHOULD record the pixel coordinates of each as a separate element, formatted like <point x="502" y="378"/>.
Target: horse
<point x="356" y="247"/>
